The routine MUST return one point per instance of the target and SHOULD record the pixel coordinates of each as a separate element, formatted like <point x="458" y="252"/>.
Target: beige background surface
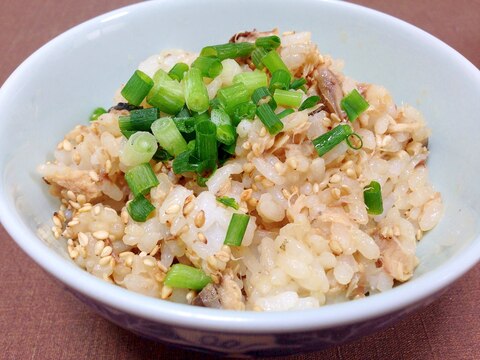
<point x="40" y="320"/>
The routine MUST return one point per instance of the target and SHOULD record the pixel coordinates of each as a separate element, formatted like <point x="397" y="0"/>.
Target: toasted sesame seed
<point x="108" y="165"/>
<point x="158" y="167"/>
<point x="335" y="178"/>
<point x="335" y="117"/>
<point x="79" y="138"/>
<point x="57" y="221"/>
<point x="419" y="234"/>
<point x="105" y="260"/>
<point x="172" y="209"/>
<point x="93" y="175"/>
<point x="67" y="145"/>
<point x="70" y="242"/>
<point x="263" y="131"/>
<point x="212" y="262"/>
<point x="101" y="234"/>
<point x="161" y="267"/>
<point x="160" y="277"/>
<point x="96" y="210"/>
<point x="396" y="231"/>
<point x="248" y="167"/>
<point x="316" y="188"/>
<point x="222" y="256"/>
<point x="71" y="195"/>
<point x="279" y="167"/>
<point x="267" y="183"/>
<point x="335" y="247"/>
<point x="125" y="254"/>
<point x="252" y="202"/>
<point x="246" y="145"/>
<point x="124" y="216"/>
<point x="85" y="208"/>
<point x="187" y="209"/>
<point x="345" y="189"/>
<point x="199" y="219"/>
<point x="326" y="122"/>
<point x="107" y="250"/>
<point x="246" y="194"/>
<point x="190" y="296"/>
<point x="202" y="237"/>
<point x="149" y="262"/>
<point x="166" y="292"/>
<point x="183" y="230"/>
<point x="351" y="173"/>
<point x="254" y="187"/>
<point x="99" y="245"/>
<point x="336" y="193"/>
<point x="60" y="145"/>
<point x="72" y="252"/>
<point x="73" y="222"/>
<point x="82" y="239"/>
<point x="74" y="204"/>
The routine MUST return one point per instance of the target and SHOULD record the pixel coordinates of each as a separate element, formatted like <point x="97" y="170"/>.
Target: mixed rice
<point x="310" y="240"/>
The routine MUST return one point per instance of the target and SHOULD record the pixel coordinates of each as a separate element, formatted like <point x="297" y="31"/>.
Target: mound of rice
<point x="309" y="241"/>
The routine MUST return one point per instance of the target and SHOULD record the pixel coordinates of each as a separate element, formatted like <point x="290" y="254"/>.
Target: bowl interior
<point x="59" y="86"/>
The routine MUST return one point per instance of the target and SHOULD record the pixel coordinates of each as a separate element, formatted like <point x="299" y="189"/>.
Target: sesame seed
<point x="252" y="202"/>
<point x="124" y="216"/>
<point x="336" y="193"/>
<point x="71" y="195"/>
<point x="336" y="178"/>
<point x="202" y="237"/>
<point x="292" y="162"/>
<point x="125" y="254"/>
<point x="82" y="239"/>
<point x="161" y="267"/>
<point x="191" y="295"/>
<point x="85" y="208"/>
<point x="316" y="188"/>
<point x="70" y="242"/>
<point x="79" y="138"/>
<point x="222" y="256"/>
<point x="212" y="262"/>
<point x="335" y="117"/>
<point x="254" y="187"/>
<point x="246" y="194"/>
<point x="149" y="262"/>
<point x="67" y="145"/>
<point x="419" y="234"/>
<point x="160" y="277"/>
<point x="263" y="131"/>
<point x="158" y="167"/>
<point x="267" y="183"/>
<point x="279" y="167"/>
<point x="72" y="252"/>
<point x="101" y="234"/>
<point x="172" y="209"/>
<point x="199" y="219"/>
<point x="105" y="260"/>
<point x="351" y="173"/>
<point x="107" y="250"/>
<point x="183" y="230"/>
<point x="166" y="292"/>
<point x="108" y="166"/>
<point x="187" y="209"/>
<point x="96" y="210"/>
<point x="246" y="145"/>
<point x="335" y="247"/>
<point x="73" y="222"/>
<point x="74" y="204"/>
<point x="57" y="221"/>
<point x="345" y="189"/>
<point x="99" y="245"/>
<point x="248" y="167"/>
<point x="93" y="175"/>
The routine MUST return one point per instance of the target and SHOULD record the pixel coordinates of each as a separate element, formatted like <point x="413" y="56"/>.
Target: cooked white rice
<point x="310" y="240"/>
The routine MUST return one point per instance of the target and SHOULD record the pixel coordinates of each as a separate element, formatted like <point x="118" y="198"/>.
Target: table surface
<point x="40" y="320"/>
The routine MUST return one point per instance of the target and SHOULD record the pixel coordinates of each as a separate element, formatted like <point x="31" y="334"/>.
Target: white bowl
<point x="58" y="85"/>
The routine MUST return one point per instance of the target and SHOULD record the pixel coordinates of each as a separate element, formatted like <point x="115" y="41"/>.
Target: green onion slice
<point x="178" y="71"/>
<point x="226" y="133"/>
<point x="186" y="277"/>
<point x="229" y="50"/>
<point x="349" y="143"/>
<point x="261" y="94"/>
<point x="274" y="62"/>
<point x="268" y="42"/>
<point x="326" y="142"/>
<point x="196" y="94"/>
<point x="236" y="229"/>
<point x="269" y="119"/>
<point x="242" y="111"/>
<point x="298" y="83"/>
<point x="162" y="155"/>
<point x="285" y="113"/>
<point x="168" y="136"/>
<point x="141" y="179"/>
<point x="232" y="96"/>
<point x="309" y="102"/>
<point x="280" y="80"/>
<point x="372" y="196"/>
<point x="206" y="144"/>
<point x="140" y="208"/>
<point x="96" y="113"/>
<point x="257" y="56"/>
<point x="210" y="67"/>
<point x="137" y="87"/>
<point x="288" y="98"/>
<point x="354" y="104"/>
<point x="252" y="80"/>
<point x="139" y="148"/>
<point x="166" y="94"/>
<point x="228" y="201"/>
<point x="138" y="120"/>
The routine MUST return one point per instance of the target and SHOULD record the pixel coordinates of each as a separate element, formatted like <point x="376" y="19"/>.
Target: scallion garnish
<point x="309" y="102"/>
<point x="186" y="277"/>
<point x="141" y="179"/>
<point x="228" y="201"/>
<point x="96" y="113"/>
<point x="232" y="95"/>
<point x="372" y="196"/>
<point x="206" y="144"/>
<point x="326" y="142"/>
<point x="268" y="42"/>
<point x="285" y="113"/>
<point x="168" y="136"/>
<point x="354" y="104"/>
<point x="229" y="50"/>
<point x="137" y="87"/>
<point x="138" y="120"/>
<point x="225" y="131"/>
<point x="288" y="98"/>
<point x="178" y="71"/>
<point x="252" y="80"/>
<point x="261" y="95"/>
<point x="269" y="119"/>
<point x="242" y="111"/>
<point x="280" y="80"/>
<point x="166" y="94"/>
<point x="139" y="148"/>
<point x="350" y="145"/>
<point x="140" y="208"/>
<point x="162" y="155"/>
<point x="196" y="94"/>
<point x="236" y="229"/>
<point x="257" y="56"/>
<point x="210" y="67"/>
<point x="298" y="83"/>
<point x="274" y="62"/>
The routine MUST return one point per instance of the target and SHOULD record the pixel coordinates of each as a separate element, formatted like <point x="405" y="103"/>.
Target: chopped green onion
<point x="288" y="98"/>
<point x="252" y="80"/>
<point x="137" y="87"/>
<point x="298" y="83"/>
<point x="96" y="113"/>
<point x="186" y="277"/>
<point x="139" y="148"/>
<point x="141" y="179"/>
<point x="177" y="71"/>
<point x="242" y="111"/>
<point x="269" y="119"/>
<point x="268" y="42"/>
<point x="140" y="208"/>
<point x="185" y="125"/>
<point x="309" y="102"/>
<point x="274" y="62"/>
<point x="196" y="94"/>
<point x="206" y="144"/>
<point x="228" y="201"/>
<point x="350" y="145"/>
<point x="225" y="131"/>
<point x="326" y="142"/>
<point x="162" y="155"/>
<point x="168" y="136"/>
<point x="354" y="104"/>
<point x="182" y="163"/>
<point x="127" y="133"/>
<point x="285" y="113"/>
<point x="209" y="66"/>
<point x="280" y="80"/>
<point x="184" y="113"/>
<point x="236" y="229"/>
<point x="232" y="95"/>
<point x="372" y="196"/>
<point x="138" y="120"/>
<point x="261" y="94"/>
<point x="229" y="50"/>
<point x="257" y="56"/>
<point x="228" y="149"/>
<point x="167" y="94"/>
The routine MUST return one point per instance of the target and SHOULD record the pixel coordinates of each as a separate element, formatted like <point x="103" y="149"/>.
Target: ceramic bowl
<point x="60" y="84"/>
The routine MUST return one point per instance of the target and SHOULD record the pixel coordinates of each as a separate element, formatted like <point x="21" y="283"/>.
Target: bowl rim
<point x="188" y="316"/>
